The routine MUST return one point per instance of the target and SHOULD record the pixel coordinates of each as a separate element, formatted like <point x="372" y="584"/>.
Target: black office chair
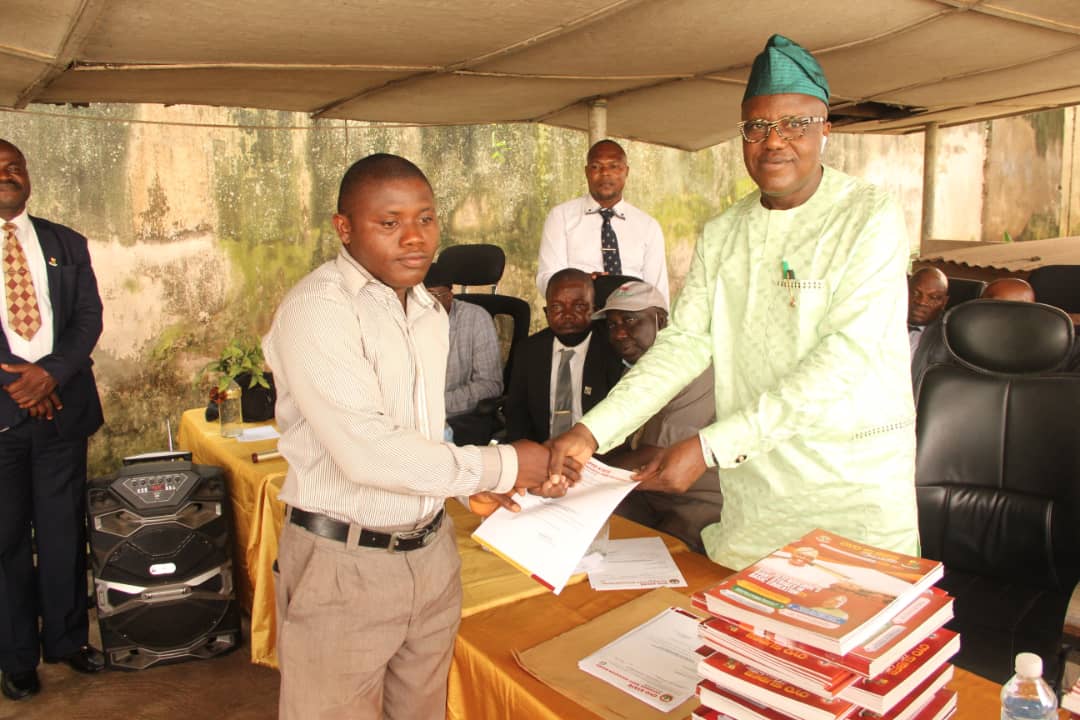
<point x="998" y="480"/>
<point x="604" y="285"/>
<point x="1057" y="285"/>
<point x="482" y="265"/>
<point x="963" y="289"/>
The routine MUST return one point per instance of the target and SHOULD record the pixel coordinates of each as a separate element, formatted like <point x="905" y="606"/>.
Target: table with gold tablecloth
<point x="487" y="580"/>
<point x="486" y="681"/>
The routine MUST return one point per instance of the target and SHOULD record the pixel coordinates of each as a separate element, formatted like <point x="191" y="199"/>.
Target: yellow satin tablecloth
<point x="487" y="580"/>
<point x="257" y="518"/>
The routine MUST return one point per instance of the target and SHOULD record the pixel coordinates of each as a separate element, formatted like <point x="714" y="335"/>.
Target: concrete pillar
<point x="1069" y="168"/>
<point x="930" y="153"/>
<point x="597" y="120"/>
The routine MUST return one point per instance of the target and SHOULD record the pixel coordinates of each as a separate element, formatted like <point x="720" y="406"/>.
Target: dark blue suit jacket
<point x="76" y="308"/>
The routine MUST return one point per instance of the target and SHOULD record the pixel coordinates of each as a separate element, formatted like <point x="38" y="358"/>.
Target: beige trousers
<point x="362" y="633"/>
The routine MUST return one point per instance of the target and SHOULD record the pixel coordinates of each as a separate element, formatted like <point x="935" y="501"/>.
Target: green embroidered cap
<point x="784" y="66"/>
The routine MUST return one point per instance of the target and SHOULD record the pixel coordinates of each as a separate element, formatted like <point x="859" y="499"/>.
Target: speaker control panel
<point x="155" y="489"/>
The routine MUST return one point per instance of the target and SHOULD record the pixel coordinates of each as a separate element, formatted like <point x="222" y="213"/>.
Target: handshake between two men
<point x="549" y="470"/>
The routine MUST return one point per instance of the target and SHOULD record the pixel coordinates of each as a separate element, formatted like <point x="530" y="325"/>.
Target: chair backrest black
<point x="604" y="285"/>
<point x="482" y="264"/>
<point x="511" y="316"/>
<point x="474" y="265"/>
<point x="998" y="432"/>
<point x="963" y="289"/>
<point x="1057" y="285"/>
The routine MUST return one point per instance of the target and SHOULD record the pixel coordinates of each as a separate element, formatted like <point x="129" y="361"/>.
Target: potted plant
<point x="242" y="360"/>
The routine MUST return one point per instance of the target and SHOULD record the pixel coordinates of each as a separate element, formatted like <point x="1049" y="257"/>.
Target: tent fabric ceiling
<point x="672" y="71"/>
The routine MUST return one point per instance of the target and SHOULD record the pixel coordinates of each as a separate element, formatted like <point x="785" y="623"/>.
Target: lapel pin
<point x="52" y="261"/>
<point x="588" y="390"/>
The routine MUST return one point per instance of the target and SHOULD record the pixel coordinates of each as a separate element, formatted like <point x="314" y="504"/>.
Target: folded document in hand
<point x="548" y="537"/>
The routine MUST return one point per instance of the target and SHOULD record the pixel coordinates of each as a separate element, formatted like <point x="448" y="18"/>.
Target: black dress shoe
<point x="86" y="659"/>
<point x="17" y="686"/>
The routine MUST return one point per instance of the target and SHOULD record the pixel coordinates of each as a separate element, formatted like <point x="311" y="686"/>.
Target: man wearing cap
<point x="602" y="233"/>
<point x="797" y="296"/>
<point x="635" y="314"/>
<point x="473" y="367"/>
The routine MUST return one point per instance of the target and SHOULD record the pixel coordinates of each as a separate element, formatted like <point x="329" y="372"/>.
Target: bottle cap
<point x="1029" y="665"/>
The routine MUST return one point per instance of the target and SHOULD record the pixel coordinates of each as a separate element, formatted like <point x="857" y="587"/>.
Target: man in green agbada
<point x="797" y="294"/>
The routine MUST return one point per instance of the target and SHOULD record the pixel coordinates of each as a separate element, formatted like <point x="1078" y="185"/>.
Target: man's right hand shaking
<point x="575" y="445"/>
<point x="533" y="470"/>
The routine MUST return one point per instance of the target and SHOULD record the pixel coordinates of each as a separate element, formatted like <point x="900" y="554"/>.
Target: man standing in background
<point x="49" y="406"/>
<point x="601" y="232"/>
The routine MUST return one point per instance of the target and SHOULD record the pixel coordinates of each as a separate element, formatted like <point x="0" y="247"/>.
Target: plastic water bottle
<point x="230" y="413"/>
<point x="1027" y="696"/>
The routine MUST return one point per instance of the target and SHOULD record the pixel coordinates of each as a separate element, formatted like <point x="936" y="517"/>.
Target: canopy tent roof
<point x="1016" y="257"/>
<point x="672" y="71"/>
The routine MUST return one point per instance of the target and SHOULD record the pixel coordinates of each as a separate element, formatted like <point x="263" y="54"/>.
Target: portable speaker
<point x="161" y="544"/>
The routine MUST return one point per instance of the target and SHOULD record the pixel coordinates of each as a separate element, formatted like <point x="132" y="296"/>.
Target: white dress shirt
<point x="41" y="344"/>
<point x="360" y="403"/>
<point x="572" y="239"/>
<point x="914" y="336"/>
<point x="577" y="377"/>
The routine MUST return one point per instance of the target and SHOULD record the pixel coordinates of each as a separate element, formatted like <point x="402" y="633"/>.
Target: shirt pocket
<point x="796" y="311"/>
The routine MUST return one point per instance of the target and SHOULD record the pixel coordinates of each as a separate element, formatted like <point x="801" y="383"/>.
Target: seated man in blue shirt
<point x="473" y="368"/>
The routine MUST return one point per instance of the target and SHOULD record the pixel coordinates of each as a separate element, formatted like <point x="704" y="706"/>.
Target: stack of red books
<point x="827" y="628"/>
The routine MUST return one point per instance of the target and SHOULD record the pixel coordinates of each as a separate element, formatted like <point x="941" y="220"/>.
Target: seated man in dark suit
<point x="928" y="294"/>
<point x="635" y="313"/>
<point x="563" y="371"/>
<point x="932" y="348"/>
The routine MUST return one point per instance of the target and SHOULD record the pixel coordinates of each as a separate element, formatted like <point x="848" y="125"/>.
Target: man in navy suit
<point x="49" y="406"/>
<point x="592" y="367"/>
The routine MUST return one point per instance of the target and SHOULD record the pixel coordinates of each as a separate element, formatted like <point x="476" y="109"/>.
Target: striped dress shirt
<point x="360" y="402"/>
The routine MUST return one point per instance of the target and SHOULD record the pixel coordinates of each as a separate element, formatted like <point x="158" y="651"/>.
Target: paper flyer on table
<point x="258" y="433"/>
<point x="655" y="662"/>
<point x="636" y="563"/>
<point x="548" y="537"/>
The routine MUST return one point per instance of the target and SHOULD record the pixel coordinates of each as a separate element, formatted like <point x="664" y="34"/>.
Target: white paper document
<point x="257" y="433"/>
<point x="655" y="662"/>
<point x="636" y="563"/>
<point x="548" y="537"/>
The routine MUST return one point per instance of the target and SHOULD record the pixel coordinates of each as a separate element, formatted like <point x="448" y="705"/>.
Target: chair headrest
<point x="476" y="264"/>
<point x="1014" y="338"/>
<point x="1057" y="285"/>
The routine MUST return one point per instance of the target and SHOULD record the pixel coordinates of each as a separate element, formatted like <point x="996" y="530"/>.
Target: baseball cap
<point x="633" y="296"/>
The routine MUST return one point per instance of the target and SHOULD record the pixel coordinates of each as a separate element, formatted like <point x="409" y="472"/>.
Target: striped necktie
<point x="24" y="317"/>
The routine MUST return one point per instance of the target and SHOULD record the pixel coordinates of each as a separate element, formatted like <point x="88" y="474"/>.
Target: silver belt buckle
<point x="425" y="533"/>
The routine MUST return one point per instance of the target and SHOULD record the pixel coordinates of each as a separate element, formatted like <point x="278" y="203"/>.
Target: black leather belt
<point x="402" y="541"/>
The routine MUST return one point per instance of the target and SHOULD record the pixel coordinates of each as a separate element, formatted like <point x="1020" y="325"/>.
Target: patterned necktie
<point x="24" y="318"/>
<point x="563" y="417"/>
<point x="609" y="244"/>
